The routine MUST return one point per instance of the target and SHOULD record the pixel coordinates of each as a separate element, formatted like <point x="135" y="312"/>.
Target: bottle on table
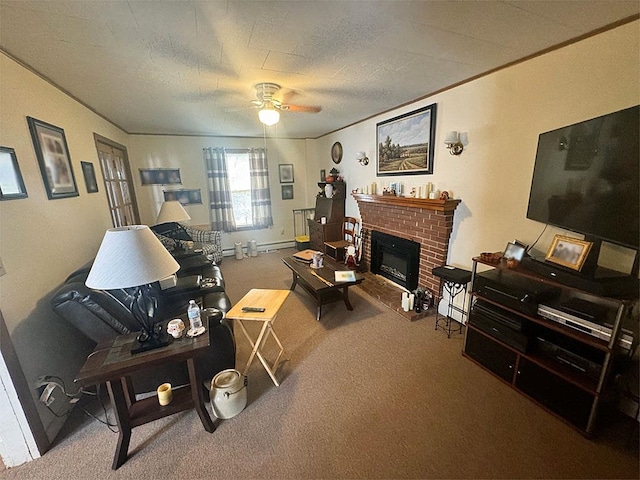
<point x="193" y="312"/>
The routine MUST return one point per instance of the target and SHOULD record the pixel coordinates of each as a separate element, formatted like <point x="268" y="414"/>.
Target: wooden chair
<point x="336" y="249"/>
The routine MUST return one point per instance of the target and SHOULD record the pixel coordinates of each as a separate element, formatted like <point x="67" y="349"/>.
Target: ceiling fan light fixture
<point x="269" y="116"/>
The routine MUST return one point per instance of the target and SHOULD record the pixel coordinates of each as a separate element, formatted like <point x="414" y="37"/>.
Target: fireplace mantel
<point x="437" y="205"/>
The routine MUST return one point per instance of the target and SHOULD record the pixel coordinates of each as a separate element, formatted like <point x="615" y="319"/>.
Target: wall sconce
<point x="362" y="158"/>
<point x="453" y="143"/>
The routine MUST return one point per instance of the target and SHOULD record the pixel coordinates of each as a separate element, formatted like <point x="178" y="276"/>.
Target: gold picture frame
<point x="568" y="252"/>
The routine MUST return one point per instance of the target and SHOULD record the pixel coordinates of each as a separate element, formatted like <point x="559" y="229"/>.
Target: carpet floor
<point x="364" y="394"/>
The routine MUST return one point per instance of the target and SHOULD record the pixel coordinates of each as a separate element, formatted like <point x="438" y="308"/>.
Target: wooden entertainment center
<point x="562" y="369"/>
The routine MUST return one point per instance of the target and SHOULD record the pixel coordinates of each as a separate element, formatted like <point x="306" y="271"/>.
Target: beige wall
<point x="503" y="114"/>
<point x="41" y="240"/>
<point x="186" y="153"/>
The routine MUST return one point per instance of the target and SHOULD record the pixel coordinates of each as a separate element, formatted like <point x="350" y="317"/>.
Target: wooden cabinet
<point x="319" y="233"/>
<point x="563" y="369"/>
<point x="332" y="209"/>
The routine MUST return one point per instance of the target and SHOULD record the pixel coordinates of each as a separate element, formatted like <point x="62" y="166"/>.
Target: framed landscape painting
<point x="405" y="143"/>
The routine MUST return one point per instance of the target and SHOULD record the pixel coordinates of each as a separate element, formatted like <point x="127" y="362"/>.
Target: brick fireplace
<point x="427" y="222"/>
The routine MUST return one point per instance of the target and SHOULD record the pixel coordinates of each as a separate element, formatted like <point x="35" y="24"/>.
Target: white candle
<point x="164" y="394"/>
<point x="405" y="301"/>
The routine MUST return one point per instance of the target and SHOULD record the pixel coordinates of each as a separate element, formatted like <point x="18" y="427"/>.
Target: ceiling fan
<point x="270" y="107"/>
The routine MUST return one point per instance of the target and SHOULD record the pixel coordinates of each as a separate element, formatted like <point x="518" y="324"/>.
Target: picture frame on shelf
<point x="11" y="182"/>
<point x="184" y="196"/>
<point x="513" y="251"/>
<point x="286" y="172"/>
<point x="568" y="252"/>
<point x="323" y="175"/>
<point x="52" y="152"/>
<point x="89" y="177"/>
<point x="406" y="143"/>
<point x="287" y="192"/>
<point x="160" y="176"/>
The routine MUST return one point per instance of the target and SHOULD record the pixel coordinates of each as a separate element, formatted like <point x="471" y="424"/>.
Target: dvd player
<point x="590" y="327"/>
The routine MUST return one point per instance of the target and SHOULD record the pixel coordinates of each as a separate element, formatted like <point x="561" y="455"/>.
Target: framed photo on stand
<point x="568" y="252"/>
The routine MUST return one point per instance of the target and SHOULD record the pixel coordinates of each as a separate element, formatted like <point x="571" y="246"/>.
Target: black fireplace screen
<point x="395" y="258"/>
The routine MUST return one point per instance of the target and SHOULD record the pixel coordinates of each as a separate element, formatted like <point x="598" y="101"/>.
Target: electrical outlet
<point x="282" y="232"/>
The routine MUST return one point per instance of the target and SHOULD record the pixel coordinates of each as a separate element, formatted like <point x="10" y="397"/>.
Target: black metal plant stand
<point x="454" y="282"/>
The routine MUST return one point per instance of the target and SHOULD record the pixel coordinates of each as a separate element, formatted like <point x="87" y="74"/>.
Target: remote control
<point x="252" y="309"/>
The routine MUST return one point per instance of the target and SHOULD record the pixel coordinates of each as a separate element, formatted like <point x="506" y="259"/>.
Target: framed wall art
<point x="52" y="152"/>
<point x="568" y="252"/>
<point x="89" y="177"/>
<point x="406" y="143"/>
<point x="11" y="182"/>
<point x="160" y="176"/>
<point x="287" y="192"/>
<point x="184" y="196"/>
<point x="286" y="173"/>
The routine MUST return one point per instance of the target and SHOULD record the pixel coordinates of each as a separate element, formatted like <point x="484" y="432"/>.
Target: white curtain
<point x="260" y="193"/>
<point x="220" y="204"/>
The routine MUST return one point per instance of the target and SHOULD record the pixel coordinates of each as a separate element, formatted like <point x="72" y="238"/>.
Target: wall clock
<point x="336" y="152"/>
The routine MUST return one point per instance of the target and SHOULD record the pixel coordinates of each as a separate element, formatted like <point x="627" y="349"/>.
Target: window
<point x="238" y="168"/>
<point x="239" y="194"/>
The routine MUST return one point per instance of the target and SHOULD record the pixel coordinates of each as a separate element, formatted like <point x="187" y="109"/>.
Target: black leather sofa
<point x="102" y="315"/>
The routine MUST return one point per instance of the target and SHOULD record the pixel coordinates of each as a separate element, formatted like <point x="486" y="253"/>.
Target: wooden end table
<point x="113" y="363"/>
<point x="320" y="283"/>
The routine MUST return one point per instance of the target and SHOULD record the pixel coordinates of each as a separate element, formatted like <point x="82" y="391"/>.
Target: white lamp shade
<point x="172" y="211"/>
<point x="269" y="116"/>
<point x="130" y="257"/>
<point x="451" y="138"/>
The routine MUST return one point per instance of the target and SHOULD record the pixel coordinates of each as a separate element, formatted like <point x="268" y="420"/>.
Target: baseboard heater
<point x="262" y="247"/>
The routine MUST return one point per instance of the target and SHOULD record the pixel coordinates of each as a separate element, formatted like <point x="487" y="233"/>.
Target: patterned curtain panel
<point x="219" y="191"/>
<point x="260" y="194"/>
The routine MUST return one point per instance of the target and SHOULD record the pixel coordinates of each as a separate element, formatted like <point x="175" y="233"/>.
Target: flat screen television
<point x="585" y="178"/>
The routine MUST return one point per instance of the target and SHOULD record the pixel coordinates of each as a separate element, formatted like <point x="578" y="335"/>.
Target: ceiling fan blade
<point x="301" y="108"/>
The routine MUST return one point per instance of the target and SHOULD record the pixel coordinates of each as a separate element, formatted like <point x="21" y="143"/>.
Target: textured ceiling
<point x="189" y="67"/>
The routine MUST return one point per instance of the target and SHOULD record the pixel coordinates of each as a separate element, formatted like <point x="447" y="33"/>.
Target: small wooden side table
<point x="113" y="363"/>
<point x="271" y="301"/>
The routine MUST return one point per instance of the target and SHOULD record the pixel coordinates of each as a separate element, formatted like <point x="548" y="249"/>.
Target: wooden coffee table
<point x="113" y="363"/>
<point x="320" y="283"/>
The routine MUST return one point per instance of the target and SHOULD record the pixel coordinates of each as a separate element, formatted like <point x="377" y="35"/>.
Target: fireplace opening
<point x="396" y="259"/>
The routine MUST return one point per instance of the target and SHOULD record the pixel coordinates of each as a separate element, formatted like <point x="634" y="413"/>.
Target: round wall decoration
<point x="336" y="152"/>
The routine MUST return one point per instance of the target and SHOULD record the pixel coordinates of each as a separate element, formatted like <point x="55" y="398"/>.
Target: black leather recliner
<point x="101" y="315"/>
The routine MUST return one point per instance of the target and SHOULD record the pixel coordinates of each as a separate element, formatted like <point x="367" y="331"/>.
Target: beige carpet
<point x="366" y="394"/>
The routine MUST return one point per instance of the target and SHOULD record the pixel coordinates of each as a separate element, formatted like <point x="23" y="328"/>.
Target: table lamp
<point x="132" y="258"/>
<point x="172" y="212"/>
